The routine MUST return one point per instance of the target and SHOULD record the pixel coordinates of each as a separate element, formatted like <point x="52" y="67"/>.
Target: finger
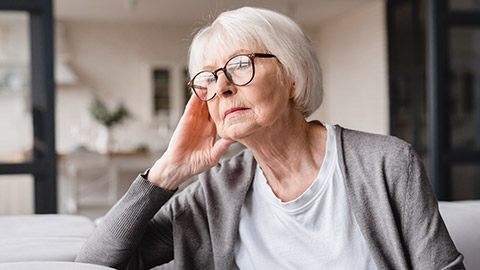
<point x="191" y="109"/>
<point x="190" y="100"/>
<point x="194" y="106"/>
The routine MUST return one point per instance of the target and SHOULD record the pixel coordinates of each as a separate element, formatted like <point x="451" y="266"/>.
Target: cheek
<point x="272" y="101"/>
<point x="214" y="112"/>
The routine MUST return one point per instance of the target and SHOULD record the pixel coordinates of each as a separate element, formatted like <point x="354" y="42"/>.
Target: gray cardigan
<point x="387" y="188"/>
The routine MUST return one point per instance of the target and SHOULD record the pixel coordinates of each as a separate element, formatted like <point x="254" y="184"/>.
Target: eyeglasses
<point x="239" y="70"/>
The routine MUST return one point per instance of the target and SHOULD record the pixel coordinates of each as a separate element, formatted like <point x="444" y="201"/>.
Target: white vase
<point x="105" y="143"/>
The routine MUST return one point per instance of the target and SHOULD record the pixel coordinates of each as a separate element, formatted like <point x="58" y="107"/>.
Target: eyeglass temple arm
<point x="263" y="55"/>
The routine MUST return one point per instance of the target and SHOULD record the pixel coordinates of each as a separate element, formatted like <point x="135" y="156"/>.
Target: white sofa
<point x="52" y="241"/>
<point x="43" y="242"/>
<point x="462" y="219"/>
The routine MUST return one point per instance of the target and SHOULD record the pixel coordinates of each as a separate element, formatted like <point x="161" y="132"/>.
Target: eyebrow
<point x="209" y="67"/>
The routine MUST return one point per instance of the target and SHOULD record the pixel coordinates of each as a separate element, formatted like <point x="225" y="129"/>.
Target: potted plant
<point x="108" y="119"/>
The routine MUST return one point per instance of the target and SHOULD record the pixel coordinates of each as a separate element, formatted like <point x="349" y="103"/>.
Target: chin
<point x="238" y="131"/>
<point x="234" y="136"/>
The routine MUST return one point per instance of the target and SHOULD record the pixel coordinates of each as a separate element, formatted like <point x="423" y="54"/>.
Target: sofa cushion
<point x="51" y="266"/>
<point x="21" y="249"/>
<point x="46" y="226"/>
<point x="43" y="237"/>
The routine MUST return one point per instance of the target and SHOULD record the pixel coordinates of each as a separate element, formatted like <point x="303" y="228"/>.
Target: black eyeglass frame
<point x="227" y="75"/>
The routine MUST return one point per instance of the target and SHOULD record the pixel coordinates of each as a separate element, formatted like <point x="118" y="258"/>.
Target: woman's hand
<point x="192" y="148"/>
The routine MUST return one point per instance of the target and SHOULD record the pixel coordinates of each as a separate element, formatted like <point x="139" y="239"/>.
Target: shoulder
<point x="372" y="160"/>
<point x="382" y="167"/>
<point x="354" y="144"/>
<point x="370" y="141"/>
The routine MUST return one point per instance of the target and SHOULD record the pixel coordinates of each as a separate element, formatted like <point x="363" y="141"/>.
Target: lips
<point x="235" y="110"/>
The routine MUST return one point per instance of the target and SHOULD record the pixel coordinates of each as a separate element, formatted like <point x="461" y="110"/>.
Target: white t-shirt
<point x="315" y="231"/>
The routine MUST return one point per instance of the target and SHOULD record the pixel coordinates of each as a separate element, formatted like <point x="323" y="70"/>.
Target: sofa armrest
<point x="43" y="237"/>
<point x="51" y="266"/>
<point x="462" y="219"/>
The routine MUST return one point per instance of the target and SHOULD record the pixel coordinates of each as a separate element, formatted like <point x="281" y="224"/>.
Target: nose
<point x="224" y="87"/>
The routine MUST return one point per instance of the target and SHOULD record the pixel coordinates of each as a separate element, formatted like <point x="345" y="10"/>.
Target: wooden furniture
<point x="96" y="179"/>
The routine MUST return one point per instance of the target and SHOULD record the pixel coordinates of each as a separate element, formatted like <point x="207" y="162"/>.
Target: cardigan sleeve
<point x="428" y="242"/>
<point x="128" y="236"/>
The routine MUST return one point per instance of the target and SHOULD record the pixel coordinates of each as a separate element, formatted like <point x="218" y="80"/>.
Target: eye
<point x="239" y="63"/>
<point x="211" y="79"/>
<point x="244" y="64"/>
<point x="203" y="80"/>
<point x="199" y="87"/>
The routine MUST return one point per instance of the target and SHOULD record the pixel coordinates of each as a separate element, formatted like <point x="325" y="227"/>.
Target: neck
<point x="290" y="154"/>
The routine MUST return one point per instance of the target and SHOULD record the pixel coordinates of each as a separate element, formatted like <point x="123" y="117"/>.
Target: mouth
<point x="234" y="111"/>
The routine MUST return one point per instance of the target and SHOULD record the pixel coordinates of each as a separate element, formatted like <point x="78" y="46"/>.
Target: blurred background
<point x="90" y="91"/>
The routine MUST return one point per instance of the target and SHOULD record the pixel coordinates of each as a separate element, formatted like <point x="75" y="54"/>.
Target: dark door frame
<point x="439" y="21"/>
<point x="44" y="164"/>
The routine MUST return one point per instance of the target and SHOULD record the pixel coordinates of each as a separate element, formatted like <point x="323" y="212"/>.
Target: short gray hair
<point x="269" y="30"/>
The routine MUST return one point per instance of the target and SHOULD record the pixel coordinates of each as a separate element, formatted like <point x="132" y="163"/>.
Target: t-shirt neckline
<point x="315" y="189"/>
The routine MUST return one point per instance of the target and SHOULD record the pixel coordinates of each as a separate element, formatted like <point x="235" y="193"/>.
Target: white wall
<point x="113" y="62"/>
<point x="353" y="53"/>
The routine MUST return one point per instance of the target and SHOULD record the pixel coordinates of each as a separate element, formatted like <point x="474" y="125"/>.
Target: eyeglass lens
<point x="238" y="70"/>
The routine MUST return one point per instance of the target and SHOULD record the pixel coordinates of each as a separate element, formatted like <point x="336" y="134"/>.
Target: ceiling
<point x="188" y="12"/>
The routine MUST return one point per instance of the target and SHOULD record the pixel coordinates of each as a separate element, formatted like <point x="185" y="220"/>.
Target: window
<point x="408" y="90"/>
<point x="170" y="93"/>
<point x="435" y="105"/>
<point x="16" y="138"/>
<point x="161" y="86"/>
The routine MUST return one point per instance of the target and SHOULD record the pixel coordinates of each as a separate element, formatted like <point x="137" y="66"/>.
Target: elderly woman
<point x="303" y="195"/>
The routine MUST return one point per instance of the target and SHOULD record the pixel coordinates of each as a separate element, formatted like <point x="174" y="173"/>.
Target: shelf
<point x="18" y="92"/>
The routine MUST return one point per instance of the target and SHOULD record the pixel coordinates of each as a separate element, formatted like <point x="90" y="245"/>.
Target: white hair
<point x="257" y="28"/>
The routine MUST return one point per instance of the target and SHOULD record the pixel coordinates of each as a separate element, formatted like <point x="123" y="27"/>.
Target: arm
<point x="428" y="242"/>
<point x="129" y="235"/>
<point x="128" y="226"/>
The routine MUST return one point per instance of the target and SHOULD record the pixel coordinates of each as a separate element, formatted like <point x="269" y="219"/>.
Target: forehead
<point x="219" y="45"/>
<point x="216" y="57"/>
<point x="218" y="60"/>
